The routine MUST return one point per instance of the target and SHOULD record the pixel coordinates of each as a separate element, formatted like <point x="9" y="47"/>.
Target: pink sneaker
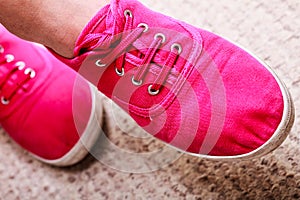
<point x="45" y="107"/>
<point x="186" y="86"/>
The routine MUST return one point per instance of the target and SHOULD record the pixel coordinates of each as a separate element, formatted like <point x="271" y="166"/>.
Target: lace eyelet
<point x="152" y="92"/>
<point x="9" y="58"/>
<point x="4" y="101"/>
<point x="128" y="13"/>
<point x="21" y="65"/>
<point x="144" y="26"/>
<point x="136" y="83"/>
<point x="120" y="73"/>
<point x="1" y="49"/>
<point x="30" y="71"/>
<point x="98" y="63"/>
<point x="162" y="36"/>
<point x="177" y="47"/>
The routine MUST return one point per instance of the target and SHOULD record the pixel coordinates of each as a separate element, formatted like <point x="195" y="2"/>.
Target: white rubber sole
<point x="88" y="138"/>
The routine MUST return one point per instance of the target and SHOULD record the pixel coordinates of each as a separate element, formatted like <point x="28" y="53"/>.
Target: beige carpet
<point x="270" y="29"/>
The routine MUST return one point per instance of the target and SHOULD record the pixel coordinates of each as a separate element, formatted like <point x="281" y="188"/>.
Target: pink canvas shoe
<point x="186" y="86"/>
<point x="45" y="106"/>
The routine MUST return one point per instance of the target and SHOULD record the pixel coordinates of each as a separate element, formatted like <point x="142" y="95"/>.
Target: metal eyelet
<point x="1" y="49"/>
<point x="120" y="73"/>
<point x="151" y="91"/>
<point x="177" y="47"/>
<point x="30" y="71"/>
<point x="136" y="83"/>
<point x="144" y="26"/>
<point x="128" y="13"/>
<point x="4" y="101"/>
<point x="21" y="65"/>
<point x="162" y="36"/>
<point x="9" y="58"/>
<point x="98" y="63"/>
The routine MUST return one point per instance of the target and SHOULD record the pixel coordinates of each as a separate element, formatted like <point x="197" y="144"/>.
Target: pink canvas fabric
<point x="45" y="106"/>
<point x="182" y="84"/>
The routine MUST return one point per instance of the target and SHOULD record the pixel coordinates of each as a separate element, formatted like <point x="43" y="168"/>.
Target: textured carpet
<point x="270" y="29"/>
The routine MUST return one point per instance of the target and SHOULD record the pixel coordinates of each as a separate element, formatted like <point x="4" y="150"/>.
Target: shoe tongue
<point x="107" y="22"/>
<point x="98" y="28"/>
<point x="116" y="18"/>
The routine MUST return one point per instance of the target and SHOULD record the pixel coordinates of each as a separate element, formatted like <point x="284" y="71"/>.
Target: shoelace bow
<point x="119" y="51"/>
<point x="13" y="75"/>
